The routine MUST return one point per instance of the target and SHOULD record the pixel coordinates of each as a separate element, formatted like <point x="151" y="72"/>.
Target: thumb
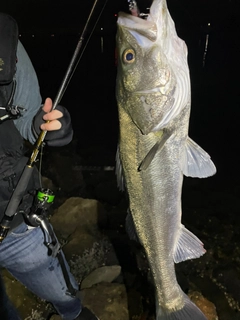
<point x="47" y="107"/>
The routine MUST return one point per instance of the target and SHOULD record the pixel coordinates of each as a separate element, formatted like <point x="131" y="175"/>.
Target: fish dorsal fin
<point x="151" y="154"/>
<point x="119" y="172"/>
<point x="196" y="162"/>
<point x="188" y="246"/>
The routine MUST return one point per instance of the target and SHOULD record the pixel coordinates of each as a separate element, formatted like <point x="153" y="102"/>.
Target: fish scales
<point x="153" y="191"/>
<point x="153" y="95"/>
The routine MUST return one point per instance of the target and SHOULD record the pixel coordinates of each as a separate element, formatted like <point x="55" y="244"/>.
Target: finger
<point x="50" y="126"/>
<point x="53" y="115"/>
<point x="47" y="107"/>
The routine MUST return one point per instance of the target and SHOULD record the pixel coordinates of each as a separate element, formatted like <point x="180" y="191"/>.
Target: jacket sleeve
<point x="27" y="93"/>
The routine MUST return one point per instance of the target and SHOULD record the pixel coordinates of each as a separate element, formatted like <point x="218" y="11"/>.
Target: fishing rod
<point x="20" y="189"/>
<point x="71" y="68"/>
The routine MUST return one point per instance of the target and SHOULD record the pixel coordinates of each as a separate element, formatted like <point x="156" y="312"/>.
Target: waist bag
<point x="8" y="48"/>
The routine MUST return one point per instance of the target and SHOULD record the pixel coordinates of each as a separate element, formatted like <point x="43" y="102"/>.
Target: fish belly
<point x="155" y="205"/>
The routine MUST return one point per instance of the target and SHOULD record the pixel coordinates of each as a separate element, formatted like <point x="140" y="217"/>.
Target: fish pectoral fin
<point x="151" y="154"/>
<point x="188" y="246"/>
<point x="119" y="172"/>
<point x="196" y="162"/>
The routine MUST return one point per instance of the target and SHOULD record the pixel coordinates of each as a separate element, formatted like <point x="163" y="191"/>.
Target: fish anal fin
<point x="196" y="162"/>
<point x="188" y="246"/>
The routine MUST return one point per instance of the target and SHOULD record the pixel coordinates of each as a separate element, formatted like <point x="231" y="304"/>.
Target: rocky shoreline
<point x="89" y="216"/>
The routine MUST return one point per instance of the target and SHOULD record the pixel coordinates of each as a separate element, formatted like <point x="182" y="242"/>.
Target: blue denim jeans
<point x="24" y="254"/>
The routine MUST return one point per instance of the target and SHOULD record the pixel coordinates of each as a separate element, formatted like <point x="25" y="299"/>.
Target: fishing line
<point x="72" y="69"/>
<point x="64" y="84"/>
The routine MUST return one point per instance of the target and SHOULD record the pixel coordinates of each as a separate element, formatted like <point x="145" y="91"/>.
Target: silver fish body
<point x="153" y="95"/>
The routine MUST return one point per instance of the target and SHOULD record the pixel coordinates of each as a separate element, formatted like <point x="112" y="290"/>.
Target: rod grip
<point x="19" y="191"/>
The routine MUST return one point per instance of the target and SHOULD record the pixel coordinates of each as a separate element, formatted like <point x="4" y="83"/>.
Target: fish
<point x="155" y="152"/>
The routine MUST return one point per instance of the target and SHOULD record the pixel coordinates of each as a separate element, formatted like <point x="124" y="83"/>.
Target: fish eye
<point x="129" y="56"/>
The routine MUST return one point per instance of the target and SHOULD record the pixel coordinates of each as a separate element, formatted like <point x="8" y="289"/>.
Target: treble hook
<point x="133" y="8"/>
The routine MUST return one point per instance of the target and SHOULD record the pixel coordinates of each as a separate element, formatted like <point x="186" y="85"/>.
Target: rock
<point x="209" y="210"/>
<point x="207" y="307"/>
<point x="107" y="300"/>
<point x="23" y="300"/>
<point x="78" y="242"/>
<point x="78" y="214"/>
<point x="47" y="183"/>
<point x="229" y="278"/>
<point x="103" y="274"/>
<point x="216" y="294"/>
<point x="76" y="223"/>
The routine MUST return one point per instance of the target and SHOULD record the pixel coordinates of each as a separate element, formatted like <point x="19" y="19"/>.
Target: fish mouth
<point x="143" y="26"/>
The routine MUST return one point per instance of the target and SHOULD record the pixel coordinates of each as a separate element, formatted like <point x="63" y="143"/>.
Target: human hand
<point x="50" y="117"/>
<point x="57" y="122"/>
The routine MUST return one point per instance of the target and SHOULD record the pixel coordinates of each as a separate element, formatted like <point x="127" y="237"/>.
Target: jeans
<point x="24" y="254"/>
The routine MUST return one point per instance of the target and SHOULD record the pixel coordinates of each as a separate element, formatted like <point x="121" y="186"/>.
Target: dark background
<point x="50" y="31"/>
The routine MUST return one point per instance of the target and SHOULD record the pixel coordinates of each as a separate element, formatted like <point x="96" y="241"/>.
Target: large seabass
<point x="154" y="98"/>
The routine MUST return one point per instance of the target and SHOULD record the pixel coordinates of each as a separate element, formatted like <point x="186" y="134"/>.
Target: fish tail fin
<point x="189" y="312"/>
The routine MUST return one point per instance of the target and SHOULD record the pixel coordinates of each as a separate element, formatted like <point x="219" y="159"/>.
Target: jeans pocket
<point x="22" y="230"/>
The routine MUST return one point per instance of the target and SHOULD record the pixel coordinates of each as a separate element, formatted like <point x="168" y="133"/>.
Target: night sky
<point x="215" y="87"/>
<point x="33" y="15"/>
